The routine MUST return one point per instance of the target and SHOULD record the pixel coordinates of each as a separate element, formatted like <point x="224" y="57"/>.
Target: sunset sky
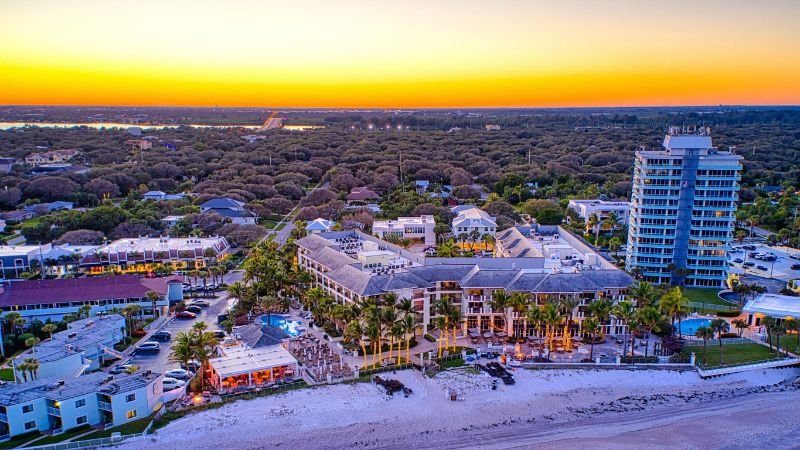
<point x="443" y="53"/>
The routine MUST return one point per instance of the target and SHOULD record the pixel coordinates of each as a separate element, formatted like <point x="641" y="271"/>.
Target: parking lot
<point x="159" y="361"/>
<point x="780" y="269"/>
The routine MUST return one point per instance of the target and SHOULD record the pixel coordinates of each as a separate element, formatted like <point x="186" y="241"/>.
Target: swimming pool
<point x="690" y="326"/>
<point x="291" y="327"/>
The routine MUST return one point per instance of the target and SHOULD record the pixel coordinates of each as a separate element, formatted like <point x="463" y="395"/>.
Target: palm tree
<point x="534" y="316"/>
<point x="592" y="223"/>
<point x="500" y="302"/>
<point x="624" y="311"/>
<point x="720" y="326"/>
<point x="778" y="331"/>
<point x="552" y="319"/>
<point x="49" y="328"/>
<point x="454" y="316"/>
<point x="740" y="325"/>
<point x="569" y="304"/>
<point x="519" y="304"/>
<point x="182" y="350"/>
<point x="704" y="333"/>
<point x="487" y="240"/>
<point x="204" y="346"/>
<point x="649" y="317"/>
<point x="590" y="326"/>
<point x="447" y="249"/>
<point x="268" y="303"/>
<point x="129" y="312"/>
<point x="153" y="296"/>
<point x="396" y="332"/>
<point x="353" y="332"/>
<point x="601" y="310"/>
<point x="85" y="311"/>
<point x="610" y="222"/>
<point x="643" y="293"/>
<point x="440" y="323"/>
<point x="769" y="325"/>
<point x="791" y="324"/>
<point x="409" y="327"/>
<point x="373" y="331"/>
<point x="11" y="321"/>
<point x="31" y="342"/>
<point x="674" y="305"/>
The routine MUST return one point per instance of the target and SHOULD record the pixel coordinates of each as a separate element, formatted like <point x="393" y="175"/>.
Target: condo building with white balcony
<point x="683" y="209"/>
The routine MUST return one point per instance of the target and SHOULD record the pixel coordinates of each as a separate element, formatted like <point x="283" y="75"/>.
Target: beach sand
<point x="545" y="408"/>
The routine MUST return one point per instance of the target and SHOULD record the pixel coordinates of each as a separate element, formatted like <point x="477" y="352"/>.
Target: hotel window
<point x="81" y="420"/>
<point x="130" y="397"/>
<point x="131" y="414"/>
<point x="80" y="403"/>
<point x="30" y="425"/>
<point x="27" y="408"/>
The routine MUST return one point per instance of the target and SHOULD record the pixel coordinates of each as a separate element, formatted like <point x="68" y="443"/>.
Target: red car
<point x="185" y="315"/>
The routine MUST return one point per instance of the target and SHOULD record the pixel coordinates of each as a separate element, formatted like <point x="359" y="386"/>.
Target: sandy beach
<point x="570" y="409"/>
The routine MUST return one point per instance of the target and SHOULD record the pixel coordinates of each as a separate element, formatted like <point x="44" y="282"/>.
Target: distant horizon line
<point x="428" y="108"/>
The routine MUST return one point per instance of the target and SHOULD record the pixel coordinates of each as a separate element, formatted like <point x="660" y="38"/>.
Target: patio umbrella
<point x="488" y="334"/>
<point x="501" y="334"/>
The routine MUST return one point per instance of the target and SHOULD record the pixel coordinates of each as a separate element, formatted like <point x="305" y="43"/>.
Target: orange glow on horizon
<point x="407" y="54"/>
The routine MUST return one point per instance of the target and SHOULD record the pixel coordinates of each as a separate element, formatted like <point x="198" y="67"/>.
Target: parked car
<point x="122" y="368"/>
<point x="172" y="383"/>
<point x="795" y="266"/>
<point x="149" y="346"/>
<point x="749" y="264"/>
<point x="219" y="334"/>
<point x="193" y="365"/>
<point x="749" y="247"/>
<point x="185" y="315"/>
<point x="795" y="256"/>
<point x="193" y="309"/>
<point x="764" y="268"/>
<point x="178" y="374"/>
<point x="738" y="260"/>
<point x="200" y="302"/>
<point x="161" y="336"/>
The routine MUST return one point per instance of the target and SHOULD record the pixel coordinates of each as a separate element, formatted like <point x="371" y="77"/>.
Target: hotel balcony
<point x="54" y="411"/>
<point x="105" y="406"/>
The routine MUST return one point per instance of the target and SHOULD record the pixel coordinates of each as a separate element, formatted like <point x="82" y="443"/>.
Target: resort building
<point x="601" y="209"/>
<point x="347" y="267"/>
<point x="414" y="228"/>
<point x="79" y="349"/>
<point x="240" y="366"/>
<point x="52" y="299"/>
<point x="17" y="259"/>
<point x="56" y="405"/>
<point x="141" y="255"/>
<point x="319" y="226"/>
<point x="471" y="219"/>
<point x="229" y="209"/>
<point x="780" y="307"/>
<point x="51" y="157"/>
<point x="511" y="243"/>
<point x="683" y="209"/>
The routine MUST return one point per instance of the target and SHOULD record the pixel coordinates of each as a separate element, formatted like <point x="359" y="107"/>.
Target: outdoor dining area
<point x="322" y="363"/>
<point x="563" y="348"/>
<point x="241" y="368"/>
<point x="495" y="338"/>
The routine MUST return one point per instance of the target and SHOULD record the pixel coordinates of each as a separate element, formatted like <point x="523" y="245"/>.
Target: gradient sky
<point x="410" y="53"/>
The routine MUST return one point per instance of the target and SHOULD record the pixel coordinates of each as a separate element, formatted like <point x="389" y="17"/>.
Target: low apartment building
<point x="52" y="299"/>
<point x="58" y="405"/>
<point x="564" y="269"/>
<point x="601" y="208"/>
<point x="414" y="228"/>
<point x="17" y="259"/>
<point x="79" y="349"/>
<point x="142" y="255"/>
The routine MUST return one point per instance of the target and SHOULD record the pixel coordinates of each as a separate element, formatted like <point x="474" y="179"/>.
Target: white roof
<point x="473" y="217"/>
<point x="241" y="360"/>
<point x="16" y="250"/>
<point x="774" y="305"/>
<point x="162" y="244"/>
<point x="320" y="224"/>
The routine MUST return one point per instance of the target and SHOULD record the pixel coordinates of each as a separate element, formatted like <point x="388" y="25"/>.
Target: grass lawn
<point x="62" y="437"/>
<point x="700" y="295"/>
<point x="733" y="354"/>
<point x="137" y="426"/>
<point x="7" y="374"/>
<point x="452" y="363"/>
<point x="20" y="440"/>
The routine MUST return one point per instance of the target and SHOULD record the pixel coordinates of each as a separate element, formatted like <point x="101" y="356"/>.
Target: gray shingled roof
<point x="351" y="277"/>
<point x="332" y="259"/>
<point x="514" y="244"/>
<point x="525" y="282"/>
<point x="314" y="242"/>
<point x="567" y="282"/>
<point x="609" y="278"/>
<point x="488" y="278"/>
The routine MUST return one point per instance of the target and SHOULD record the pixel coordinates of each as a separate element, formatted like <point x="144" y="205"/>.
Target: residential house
<point x="140" y="144"/>
<point x="50" y="157"/>
<point x="470" y="218"/>
<point x="18" y="216"/>
<point x="362" y="195"/>
<point x="56" y="405"/>
<point x="231" y="209"/>
<point x="160" y="196"/>
<point x="171" y="221"/>
<point x="319" y="225"/>
<point x="7" y="164"/>
<point x="46" y="208"/>
<point x="601" y="209"/>
<point x="53" y="299"/>
<point x="421" y="186"/>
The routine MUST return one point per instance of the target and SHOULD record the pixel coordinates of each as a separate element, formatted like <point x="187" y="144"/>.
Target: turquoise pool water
<point x="291" y="327"/>
<point x="690" y="326"/>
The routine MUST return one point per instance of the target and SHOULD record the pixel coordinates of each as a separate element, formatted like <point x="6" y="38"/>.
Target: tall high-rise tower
<point x="683" y="208"/>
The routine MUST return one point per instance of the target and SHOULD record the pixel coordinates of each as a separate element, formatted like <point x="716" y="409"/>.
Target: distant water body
<point x="99" y="125"/>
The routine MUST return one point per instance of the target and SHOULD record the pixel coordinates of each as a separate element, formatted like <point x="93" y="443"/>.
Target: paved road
<point x="282" y="236"/>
